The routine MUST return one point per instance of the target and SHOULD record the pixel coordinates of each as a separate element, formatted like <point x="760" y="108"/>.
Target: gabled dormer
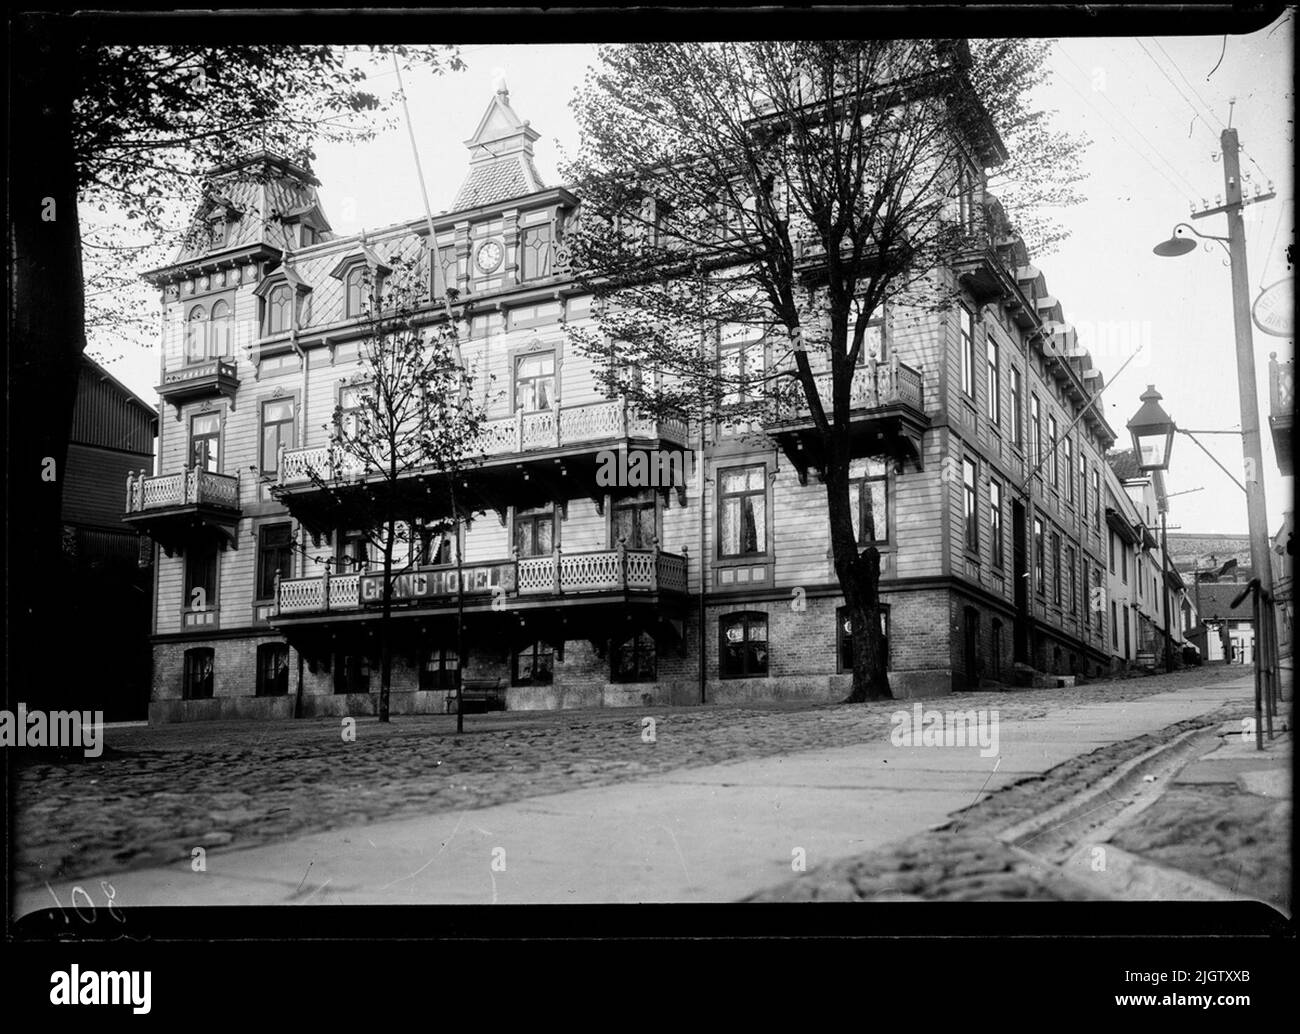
<point x="363" y="273"/>
<point x="304" y="225"/>
<point x="284" y="299"/>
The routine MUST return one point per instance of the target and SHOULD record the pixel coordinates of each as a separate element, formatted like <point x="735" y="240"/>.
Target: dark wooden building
<point x="108" y="562"/>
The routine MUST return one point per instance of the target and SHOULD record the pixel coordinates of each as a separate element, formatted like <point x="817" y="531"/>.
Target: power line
<point x="1177" y="88"/>
<point x="1189" y="191"/>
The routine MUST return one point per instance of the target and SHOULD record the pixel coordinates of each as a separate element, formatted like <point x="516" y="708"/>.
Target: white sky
<point x="1151" y="159"/>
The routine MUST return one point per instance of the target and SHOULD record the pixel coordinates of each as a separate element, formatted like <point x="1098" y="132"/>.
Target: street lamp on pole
<point x="1247" y="396"/>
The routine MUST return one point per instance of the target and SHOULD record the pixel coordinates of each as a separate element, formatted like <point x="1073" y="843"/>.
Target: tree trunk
<point x="859" y="578"/>
<point x="46" y="343"/>
<point x="385" y="649"/>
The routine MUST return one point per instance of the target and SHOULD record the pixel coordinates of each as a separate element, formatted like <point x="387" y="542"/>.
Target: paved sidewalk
<point x="716" y="833"/>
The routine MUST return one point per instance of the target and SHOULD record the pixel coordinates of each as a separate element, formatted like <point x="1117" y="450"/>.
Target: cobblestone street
<point x="156" y="793"/>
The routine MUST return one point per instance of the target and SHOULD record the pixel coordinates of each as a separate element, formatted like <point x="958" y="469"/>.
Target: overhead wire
<point x="1188" y="190"/>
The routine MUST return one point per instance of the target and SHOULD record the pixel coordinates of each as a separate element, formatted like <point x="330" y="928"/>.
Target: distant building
<point x="110" y="596"/>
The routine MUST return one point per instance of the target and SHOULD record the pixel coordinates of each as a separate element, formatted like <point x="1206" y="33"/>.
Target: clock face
<point x="489" y="256"/>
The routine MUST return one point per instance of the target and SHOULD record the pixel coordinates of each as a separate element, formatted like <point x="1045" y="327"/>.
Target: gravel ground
<point x="1235" y="839"/>
<point x="966" y="861"/>
<point x="156" y="793"/>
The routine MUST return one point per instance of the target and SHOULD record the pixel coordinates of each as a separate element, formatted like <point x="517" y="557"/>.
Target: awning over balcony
<point x="523" y="459"/>
<point x="886" y="417"/>
<point x="184" y="507"/>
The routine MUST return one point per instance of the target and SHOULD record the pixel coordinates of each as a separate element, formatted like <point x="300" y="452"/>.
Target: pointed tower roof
<point x="500" y="157"/>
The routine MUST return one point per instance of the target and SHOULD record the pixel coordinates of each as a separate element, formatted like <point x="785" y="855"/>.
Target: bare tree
<point x="786" y="192"/>
<point x="407" y="425"/>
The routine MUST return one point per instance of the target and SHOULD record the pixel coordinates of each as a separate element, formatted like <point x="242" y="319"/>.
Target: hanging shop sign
<point x="1274" y="309"/>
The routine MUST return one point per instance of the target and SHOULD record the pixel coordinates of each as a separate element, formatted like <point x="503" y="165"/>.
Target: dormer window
<point x="278" y="310"/>
<point x="217" y="231"/>
<point x="362" y="274"/>
<point x="356" y="291"/>
<point x="307" y="235"/>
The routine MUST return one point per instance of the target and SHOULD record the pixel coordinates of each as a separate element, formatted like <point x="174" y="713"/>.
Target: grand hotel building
<point x="988" y="491"/>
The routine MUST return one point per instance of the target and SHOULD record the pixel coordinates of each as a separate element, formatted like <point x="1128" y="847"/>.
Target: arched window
<point x="195" y="336"/>
<point x="356" y="291"/>
<point x="278" y="310"/>
<point x="219" y="336"/>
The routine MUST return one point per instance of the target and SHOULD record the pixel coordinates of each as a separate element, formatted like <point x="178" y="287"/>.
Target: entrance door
<point x="1020" y="572"/>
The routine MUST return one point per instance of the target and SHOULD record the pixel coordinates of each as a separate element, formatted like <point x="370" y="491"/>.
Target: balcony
<point x="1281" y="405"/>
<point x="180" y="508"/>
<point x="886" y="416"/>
<point x="559" y="579"/>
<point x="200" y="380"/>
<point x="544" y="455"/>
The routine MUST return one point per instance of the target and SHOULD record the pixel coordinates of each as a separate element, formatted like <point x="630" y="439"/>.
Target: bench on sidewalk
<point x="479" y="695"/>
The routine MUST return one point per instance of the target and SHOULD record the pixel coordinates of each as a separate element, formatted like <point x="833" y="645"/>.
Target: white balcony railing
<point x="606" y="570"/>
<point x="557" y="428"/>
<point x="875" y="384"/>
<point x="198" y="371"/>
<point x="183" y="488"/>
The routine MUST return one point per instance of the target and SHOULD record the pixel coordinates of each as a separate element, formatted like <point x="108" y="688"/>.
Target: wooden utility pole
<point x="1248" y="400"/>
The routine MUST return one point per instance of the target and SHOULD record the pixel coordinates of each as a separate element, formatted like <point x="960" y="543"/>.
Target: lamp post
<point x="1247" y="397"/>
<point x="1152" y="430"/>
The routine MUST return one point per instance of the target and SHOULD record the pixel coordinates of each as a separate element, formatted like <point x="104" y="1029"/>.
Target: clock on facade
<point x="489" y="256"/>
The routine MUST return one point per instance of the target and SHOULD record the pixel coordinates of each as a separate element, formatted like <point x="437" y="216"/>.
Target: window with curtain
<point x="633" y="520"/>
<point x="535" y="532"/>
<point x="277" y="430"/>
<point x="742" y="511"/>
<point x="534" y="665"/>
<point x="634" y="659"/>
<point x="535" y="382"/>
<point x="205" y="442"/>
<point x="196" y="335"/>
<point x="274" y="557"/>
<point x="221" y="326"/>
<point x="197" y="675"/>
<point x="272" y="669"/>
<point x="872" y="490"/>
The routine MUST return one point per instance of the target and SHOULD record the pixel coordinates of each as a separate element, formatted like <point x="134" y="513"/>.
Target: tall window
<point x="741" y="349"/>
<point x="633" y="520"/>
<point x="277" y="430"/>
<point x="1056" y="568"/>
<point x="1068" y="445"/>
<point x="1083" y="491"/>
<point x="1114" y="625"/>
<point x="1036" y="429"/>
<point x="995" y="396"/>
<point x="272" y="669"/>
<point x="200" y="574"/>
<point x="995" y="650"/>
<point x="1017" y="407"/>
<point x="535" y="531"/>
<point x="1123" y="562"/>
<point x="1096" y="499"/>
<point x="844" y="636"/>
<point x="1071" y="563"/>
<point x="197" y="675"/>
<point x="534" y="665"/>
<point x="743" y="648"/>
<point x="355" y="287"/>
<point x="1110" y="543"/>
<point x="1052" y="454"/>
<point x="274" y="557"/>
<point x="966" y="319"/>
<point x="433" y="547"/>
<point x="196" y="327"/>
<point x="444" y="270"/>
<point x="1040" y="560"/>
<point x="633" y="659"/>
<point x="279" y="309"/>
<point x="537" y="244"/>
<point x="969" y="490"/>
<point x="1139" y="575"/>
<point x="219" y="343"/>
<point x="205" y="442"/>
<point x="871" y="490"/>
<point x="742" y="511"/>
<point x="995" y="522"/>
<point x="535" y="382"/>
<point x="439" y="668"/>
<point x="353" y="412"/>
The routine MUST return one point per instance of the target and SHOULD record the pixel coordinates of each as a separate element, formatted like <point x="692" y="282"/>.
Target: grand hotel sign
<point x="440" y="583"/>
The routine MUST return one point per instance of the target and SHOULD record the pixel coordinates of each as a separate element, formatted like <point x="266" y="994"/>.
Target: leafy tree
<point x="124" y="131"/>
<point x="788" y="191"/>
<point x="410" y="426"/>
